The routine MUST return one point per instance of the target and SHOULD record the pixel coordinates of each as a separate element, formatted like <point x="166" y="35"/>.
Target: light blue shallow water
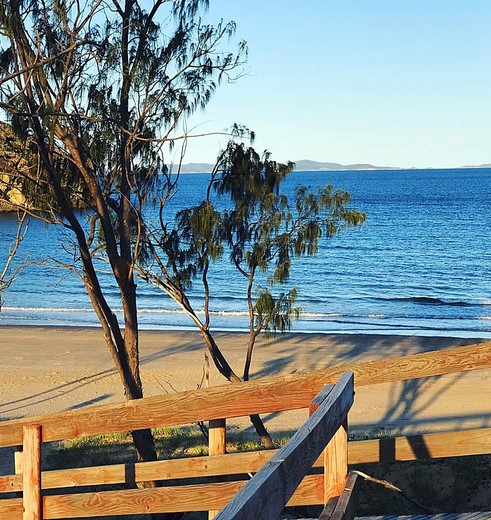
<point x="420" y="265"/>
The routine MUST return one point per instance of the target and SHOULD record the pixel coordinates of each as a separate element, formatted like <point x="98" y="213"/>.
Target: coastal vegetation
<point x="246" y="216"/>
<point x="100" y="91"/>
<point x="96" y="99"/>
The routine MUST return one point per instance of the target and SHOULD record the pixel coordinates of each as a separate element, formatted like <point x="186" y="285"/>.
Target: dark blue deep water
<point x="420" y="265"/>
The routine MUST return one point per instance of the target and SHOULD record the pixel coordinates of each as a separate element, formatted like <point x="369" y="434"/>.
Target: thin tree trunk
<point x="226" y="370"/>
<point x="264" y="436"/>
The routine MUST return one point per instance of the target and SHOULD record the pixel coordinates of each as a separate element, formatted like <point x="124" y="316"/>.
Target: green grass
<point x="186" y="441"/>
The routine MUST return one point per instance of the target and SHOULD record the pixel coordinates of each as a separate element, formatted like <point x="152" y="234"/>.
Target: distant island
<point x="309" y="166"/>
<point x="302" y="165"/>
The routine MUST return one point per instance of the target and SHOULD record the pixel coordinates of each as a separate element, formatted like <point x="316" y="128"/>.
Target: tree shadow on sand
<point x="407" y="401"/>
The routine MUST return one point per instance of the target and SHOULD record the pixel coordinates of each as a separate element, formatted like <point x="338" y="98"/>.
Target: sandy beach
<point x="46" y="370"/>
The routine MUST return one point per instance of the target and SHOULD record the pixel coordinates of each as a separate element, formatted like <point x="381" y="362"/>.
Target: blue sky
<point x="399" y="83"/>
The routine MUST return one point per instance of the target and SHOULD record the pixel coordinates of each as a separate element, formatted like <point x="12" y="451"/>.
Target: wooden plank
<point x="217" y="443"/>
<point x="18" y="460"/>
<point x="269" y="490"/>
<point x="11" y="509"/>
<point x="31" y="482"/>
<point x="329" y="471"/>
<point x="191" y="467"/>
<point x="252" y="397"/>
<point x="18" y="464"/>
<point x="336" y="463"/>
<point x="468" y="442"/>
<point x="230" y="464"/>
<point x="10" y="483"/>
<point x="160" y="500"/>
<point x="347" y="503"/>
<point x="447" y="444"/>
<point x="168" y="410"/>
<point x="424" y="446"/>
<point x="217" y="437"/>
<point x="137" y="501"/>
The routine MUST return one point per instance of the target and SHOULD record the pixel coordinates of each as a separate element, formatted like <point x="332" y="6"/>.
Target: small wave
<point x="44" y="309"/>
<point x="160" y="311"/>
<point x="322" y="315"/>
<point x="229" y="313"/>
<point x="198" y="311"/>
<point x="428" y="300"/>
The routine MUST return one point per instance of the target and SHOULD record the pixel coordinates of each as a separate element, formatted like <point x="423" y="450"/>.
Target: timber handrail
<point x="267" y="493"/>
<point x="238" y="400"/>
<point x="304" y="448"/>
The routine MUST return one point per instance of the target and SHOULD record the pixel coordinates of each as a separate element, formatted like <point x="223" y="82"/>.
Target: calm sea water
<point x="420" y="265"/>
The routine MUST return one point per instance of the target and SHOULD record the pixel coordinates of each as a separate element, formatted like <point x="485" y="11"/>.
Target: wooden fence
<point x="59" y="497"/>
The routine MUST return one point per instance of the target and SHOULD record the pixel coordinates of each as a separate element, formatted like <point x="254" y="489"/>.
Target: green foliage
<point x="108" y="87"/>
<point x="101" y="91"/>
<point x="278" y="311"/>
<point x="247" y="214"/>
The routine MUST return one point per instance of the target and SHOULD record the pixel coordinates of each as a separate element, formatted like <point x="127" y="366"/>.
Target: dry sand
<point x="45" y="370"/>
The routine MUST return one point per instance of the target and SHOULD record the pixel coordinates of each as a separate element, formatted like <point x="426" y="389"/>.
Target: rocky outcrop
<point x="13" y="165"/>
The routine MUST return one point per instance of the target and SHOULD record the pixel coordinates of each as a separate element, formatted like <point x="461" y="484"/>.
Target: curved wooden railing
<point x="217" y="403"/>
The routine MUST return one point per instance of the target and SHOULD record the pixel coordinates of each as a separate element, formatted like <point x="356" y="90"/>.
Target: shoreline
<point x="50" y="369"/>
<point x="464" y="335"/>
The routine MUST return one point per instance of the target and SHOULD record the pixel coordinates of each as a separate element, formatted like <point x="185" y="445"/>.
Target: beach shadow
<point x="407" y="401"/>
<point x="90" y="402"/>
<point x="387" y="448"/>
<point x="333" y="350"/>
<point x="421" y="425"/>
<point x="404" y="405"/>
<point x="191" y="341"/>
<point x="53" y="393"/>
<point x="360" y="346"/>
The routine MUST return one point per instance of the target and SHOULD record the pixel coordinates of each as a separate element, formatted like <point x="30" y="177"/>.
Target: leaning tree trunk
<point x="125" y="353"/>
<point x="127" y="363"/>
<point x="226" y="370"/>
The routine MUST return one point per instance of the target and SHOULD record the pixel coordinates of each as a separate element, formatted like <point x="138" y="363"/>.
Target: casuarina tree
<point x="100" y="89"/>
<point x="246" y="216"/>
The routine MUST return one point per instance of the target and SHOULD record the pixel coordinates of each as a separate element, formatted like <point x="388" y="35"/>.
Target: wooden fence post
<point x="336" y="463"/>
<point x="217" y="443"/>
<point x="335" y="458"/>
<point x="31" y="482"/>
<point x="265" y="495"/>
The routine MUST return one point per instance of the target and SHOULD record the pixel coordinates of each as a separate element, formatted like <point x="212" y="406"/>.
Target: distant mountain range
<point x="480" y="166"/>
<point x="307" y="165"/>
<point x="302" y="165"/>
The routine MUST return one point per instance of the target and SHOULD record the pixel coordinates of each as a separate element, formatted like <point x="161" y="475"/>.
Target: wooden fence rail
<point x="262" y="396"/>
<point x="266" y="494"/>
<point x="294" y="460"/>
<point x="239" y="400"/>
<point x="414" y="447"/>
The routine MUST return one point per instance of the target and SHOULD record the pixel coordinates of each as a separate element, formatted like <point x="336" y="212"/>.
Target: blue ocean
<point x="421" y="264"/>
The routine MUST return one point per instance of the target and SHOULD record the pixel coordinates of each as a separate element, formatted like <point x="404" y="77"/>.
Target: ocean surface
<point x="420" y="265"/>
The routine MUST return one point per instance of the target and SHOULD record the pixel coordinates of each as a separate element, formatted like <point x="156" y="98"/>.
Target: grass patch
<point x="186" y="441"/>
